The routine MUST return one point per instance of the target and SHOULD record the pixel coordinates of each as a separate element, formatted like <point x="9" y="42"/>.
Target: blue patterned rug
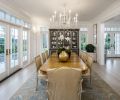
<point x="99" y="90"/>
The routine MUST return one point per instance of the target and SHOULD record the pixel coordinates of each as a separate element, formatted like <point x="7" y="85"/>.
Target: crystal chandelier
<point x="64" y="18"/>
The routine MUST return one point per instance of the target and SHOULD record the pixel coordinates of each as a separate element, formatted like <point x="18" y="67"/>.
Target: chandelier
<point x="63" y="18"/>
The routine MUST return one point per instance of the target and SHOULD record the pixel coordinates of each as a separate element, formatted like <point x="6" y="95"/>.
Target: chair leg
<point x="90" y="77"/>
<point x="37" y="83"/>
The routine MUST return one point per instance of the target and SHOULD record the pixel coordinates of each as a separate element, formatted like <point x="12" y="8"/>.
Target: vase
<point x="63" y="56"/>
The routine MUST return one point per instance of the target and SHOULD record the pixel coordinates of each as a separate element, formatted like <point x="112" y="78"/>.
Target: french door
<point x="25" y="47"/>
<point x="112" y="43"/>
<point x="3" y="46"/>
<point x="14" y="49"/>
<point x="9" y="50"/>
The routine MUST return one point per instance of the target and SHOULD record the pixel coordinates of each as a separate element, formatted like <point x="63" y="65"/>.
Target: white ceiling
<point x="114" y="20"/>
<point x="86" y="9"/>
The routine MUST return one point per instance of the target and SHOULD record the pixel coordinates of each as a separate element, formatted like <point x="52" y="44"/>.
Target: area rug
<point x="98" y="90"/>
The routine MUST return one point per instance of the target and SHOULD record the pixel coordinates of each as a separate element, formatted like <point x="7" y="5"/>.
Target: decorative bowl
<point x="63" y="56"/>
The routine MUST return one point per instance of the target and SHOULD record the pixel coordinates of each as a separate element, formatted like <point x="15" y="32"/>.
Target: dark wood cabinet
<point x="64" y="38"/>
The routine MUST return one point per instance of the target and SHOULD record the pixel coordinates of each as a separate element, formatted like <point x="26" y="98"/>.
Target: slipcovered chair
<point x="46" y="54"/>
<point x="89" y="63"/>
<point x="84" y="56"/>
<point x="40" y="74"/>
<point x="43" y="57"/>
<point x="64" y="84"/>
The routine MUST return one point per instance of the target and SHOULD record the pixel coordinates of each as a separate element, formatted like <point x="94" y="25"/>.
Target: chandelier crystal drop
<point x="64" y="18"/>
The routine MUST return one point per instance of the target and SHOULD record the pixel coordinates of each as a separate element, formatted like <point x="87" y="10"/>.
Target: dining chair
<point x="43" y="57"/>
<point x="89" y="63"/>
<point x="40" y="74"/>
<point x="84" y="56"/>
<point x="46" y="54"/>
<point x="64" y="84"/>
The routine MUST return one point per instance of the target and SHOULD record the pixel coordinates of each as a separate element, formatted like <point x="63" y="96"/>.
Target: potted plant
<point x="60" y="50"/>
<point x="90" y="48"/>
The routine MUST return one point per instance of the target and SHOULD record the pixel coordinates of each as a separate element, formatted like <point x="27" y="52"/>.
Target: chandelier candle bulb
<point x="64" y="19"/>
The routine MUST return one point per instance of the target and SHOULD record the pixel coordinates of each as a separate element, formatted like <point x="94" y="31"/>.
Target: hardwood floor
<point x="12" y="84"/>
<point x="110" y="73"/>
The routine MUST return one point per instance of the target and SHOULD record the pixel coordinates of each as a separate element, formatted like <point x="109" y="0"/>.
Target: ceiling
<point x="114" y="20"/>
<point x="86" y="9"/>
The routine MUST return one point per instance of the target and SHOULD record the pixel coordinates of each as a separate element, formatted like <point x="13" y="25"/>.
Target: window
<point x="44" y="40"/>
<point x="2" y="49"/>
<point x="17" y="21"/>
<point x="25" y="46"/>
<point x="83" y="29"/>
<point x="117" y="43"/>
<point x="83" y="37"/>
<point x="107" y="41"/>
<point x="2" y="15"/>
<point x="44" y="32"/>
<point x="14" y="47"/>
<point x="12" y="19"/>
<point x="83" y="41"/>
<point x="7" y="17"/>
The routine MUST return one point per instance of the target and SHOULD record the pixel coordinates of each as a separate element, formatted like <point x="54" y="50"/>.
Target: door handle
<point x="7" y="51"/>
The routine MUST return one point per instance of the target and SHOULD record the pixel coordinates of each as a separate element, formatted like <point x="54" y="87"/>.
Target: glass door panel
<point x="112" y="44"/>
<point x="25" y="46"/>
<point x="14" y="50"/>
<point x="3" y="69"/>
<point x="117" y="44"/>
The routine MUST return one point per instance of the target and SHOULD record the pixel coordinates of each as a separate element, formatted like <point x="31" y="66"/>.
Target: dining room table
<point x="73" y="62"/>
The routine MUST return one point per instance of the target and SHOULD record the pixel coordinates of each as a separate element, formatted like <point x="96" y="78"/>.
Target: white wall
<point x="110" y="12"/>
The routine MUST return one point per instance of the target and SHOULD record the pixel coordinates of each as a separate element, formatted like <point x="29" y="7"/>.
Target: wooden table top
<point x="53" y="62"/>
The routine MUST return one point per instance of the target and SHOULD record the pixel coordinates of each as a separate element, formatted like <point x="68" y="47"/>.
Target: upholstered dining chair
<point x="89" y="63"/>
<point x="46" y="54"/>
<point x="83" y="56"/>
<point x="43" y="57"/>
<point x="64" y="84"/>
<point x="40" y="74"/>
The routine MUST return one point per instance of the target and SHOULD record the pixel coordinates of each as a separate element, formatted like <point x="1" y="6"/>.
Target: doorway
<point x="9" y="50"/>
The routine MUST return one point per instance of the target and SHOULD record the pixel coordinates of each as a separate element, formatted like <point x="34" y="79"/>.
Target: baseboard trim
<point x="10" y="75"/>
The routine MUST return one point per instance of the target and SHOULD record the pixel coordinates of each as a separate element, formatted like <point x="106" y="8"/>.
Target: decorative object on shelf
<point x="90" y="48"/>
<point x="64" y="18"/>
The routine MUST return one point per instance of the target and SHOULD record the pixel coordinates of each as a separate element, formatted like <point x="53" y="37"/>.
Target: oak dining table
<point x="74" y="62"/>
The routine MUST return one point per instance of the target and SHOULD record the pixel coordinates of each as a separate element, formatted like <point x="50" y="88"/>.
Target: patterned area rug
<point x="99" y="90"/>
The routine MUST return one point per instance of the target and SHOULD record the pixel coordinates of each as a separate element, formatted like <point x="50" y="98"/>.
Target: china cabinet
<point x="64" y="38"/>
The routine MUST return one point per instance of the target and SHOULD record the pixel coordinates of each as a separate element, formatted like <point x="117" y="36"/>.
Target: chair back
<point x="47" y="54"/>
<point x="43" y="57"/>
<point x="64" y="84"/>
<point x="38" y="62"/>
<point x="89" y="61"/>
<point x="84" y="56"/>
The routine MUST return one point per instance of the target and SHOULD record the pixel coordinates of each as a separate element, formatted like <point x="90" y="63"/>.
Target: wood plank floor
<point x="12" y="84"/>
<point x="110" y="73"/>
